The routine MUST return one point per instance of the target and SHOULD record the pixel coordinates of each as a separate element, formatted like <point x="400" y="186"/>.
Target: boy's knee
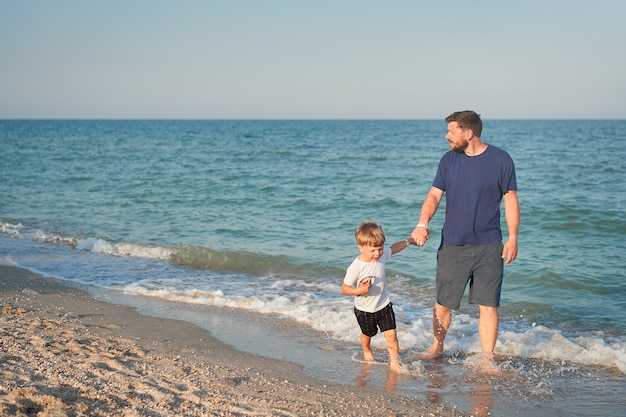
<point x="391" y="335"/>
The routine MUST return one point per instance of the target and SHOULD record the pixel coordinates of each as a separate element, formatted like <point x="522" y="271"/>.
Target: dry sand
<point x="64" y="353"/>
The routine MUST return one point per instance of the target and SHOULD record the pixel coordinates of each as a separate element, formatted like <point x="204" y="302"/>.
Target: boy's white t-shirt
<point x="378" y="297"/>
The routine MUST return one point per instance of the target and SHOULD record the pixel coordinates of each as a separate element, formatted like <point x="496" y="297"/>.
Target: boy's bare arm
<point x="402" y="245"/>
<point x="360" y="290"/>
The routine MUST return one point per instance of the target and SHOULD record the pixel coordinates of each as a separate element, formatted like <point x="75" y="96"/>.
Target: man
<point x="476" y="177"/>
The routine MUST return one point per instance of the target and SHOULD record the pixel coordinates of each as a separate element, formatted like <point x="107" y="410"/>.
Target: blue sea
<point x="258" y="217"/>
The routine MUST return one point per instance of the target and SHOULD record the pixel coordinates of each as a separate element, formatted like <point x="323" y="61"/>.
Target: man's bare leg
<point x="488" y="327"/>
<point x="488" y="331"/>
<point x="368" y="355"/>
<point x="442" y="317"/>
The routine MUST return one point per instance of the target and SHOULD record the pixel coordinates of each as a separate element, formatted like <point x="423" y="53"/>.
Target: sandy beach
<point x="66" y="354"/>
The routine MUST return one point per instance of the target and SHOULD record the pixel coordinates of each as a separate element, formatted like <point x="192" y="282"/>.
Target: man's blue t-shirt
<point x="474" y="186"/>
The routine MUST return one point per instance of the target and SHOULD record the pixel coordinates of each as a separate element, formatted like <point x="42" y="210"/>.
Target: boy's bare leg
<point x="393" y="348"/>
<point x="368" y="355"/>
<point x="442" y="317"/>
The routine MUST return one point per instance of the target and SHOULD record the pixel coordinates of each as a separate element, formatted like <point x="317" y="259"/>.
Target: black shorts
<point x="385" y="319"/>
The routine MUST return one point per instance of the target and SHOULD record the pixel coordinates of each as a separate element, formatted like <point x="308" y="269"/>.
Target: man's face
<point x="457" y="137"/>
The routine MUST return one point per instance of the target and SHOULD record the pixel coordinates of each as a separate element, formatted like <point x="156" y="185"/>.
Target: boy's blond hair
<point x="370" y="233"/>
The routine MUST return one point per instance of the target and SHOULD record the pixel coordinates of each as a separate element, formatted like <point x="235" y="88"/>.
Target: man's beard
<point x="459" y="147"/>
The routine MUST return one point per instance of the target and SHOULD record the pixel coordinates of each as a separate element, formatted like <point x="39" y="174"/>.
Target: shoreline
<point x="65" y="353"/>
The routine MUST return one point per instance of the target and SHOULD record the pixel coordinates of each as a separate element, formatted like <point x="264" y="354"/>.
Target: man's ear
<point x="469" y="134"/>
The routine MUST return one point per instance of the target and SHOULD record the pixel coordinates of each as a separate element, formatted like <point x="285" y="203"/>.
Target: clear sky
<point x="319" y="59"/>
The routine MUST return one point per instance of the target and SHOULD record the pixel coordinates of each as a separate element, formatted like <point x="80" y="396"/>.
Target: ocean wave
<point x="186" y="255"/>
<point x="17" y="230"/>
<point x="125" y="249"/>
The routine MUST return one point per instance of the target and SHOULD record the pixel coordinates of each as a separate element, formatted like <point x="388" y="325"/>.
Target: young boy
<point x="365" y="279"/>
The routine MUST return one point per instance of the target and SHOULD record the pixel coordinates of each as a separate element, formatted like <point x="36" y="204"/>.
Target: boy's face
<point x="370" y="253"/>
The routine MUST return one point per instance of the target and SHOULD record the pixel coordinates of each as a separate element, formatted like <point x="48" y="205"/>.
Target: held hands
<point x="420" y="234"/>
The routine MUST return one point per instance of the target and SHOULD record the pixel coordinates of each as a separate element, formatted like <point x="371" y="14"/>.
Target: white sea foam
<point x="11" y="229"/>
<point x="544" y="343"/>
<point x="124" y="249"/>
<point x="21" y="232"/>
<point x="333" y="316"/>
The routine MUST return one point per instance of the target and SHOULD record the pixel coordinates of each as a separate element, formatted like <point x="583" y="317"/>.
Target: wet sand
<point x="64" y="353"/>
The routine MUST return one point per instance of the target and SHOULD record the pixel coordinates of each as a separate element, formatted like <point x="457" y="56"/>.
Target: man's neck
<point x="476" y="147"/>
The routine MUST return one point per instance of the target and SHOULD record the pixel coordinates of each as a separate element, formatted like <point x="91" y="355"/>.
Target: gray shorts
<point x="480" y="265"/>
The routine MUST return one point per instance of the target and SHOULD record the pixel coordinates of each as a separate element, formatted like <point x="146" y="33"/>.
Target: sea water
<point x="259" y="216"/>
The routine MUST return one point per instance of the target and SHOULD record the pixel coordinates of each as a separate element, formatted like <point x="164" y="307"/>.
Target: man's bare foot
<point x="430" y="354"/>
<point x="398" y="369"/>
<point x="484" y="364"/>
<point x="369" y="358"/>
